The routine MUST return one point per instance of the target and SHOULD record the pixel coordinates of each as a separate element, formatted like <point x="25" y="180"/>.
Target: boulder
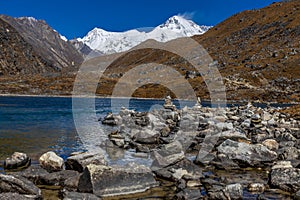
<point x="167" y="155"/>
<point x="80" y="161"/>
<point x="188" y="193"/>
<point x="235" y="191"/>
<point x="76" y="195"/>
<point x="17" y="160"/>
<point x="297" y="195"/>
<point x="20" y="185"/>
<point x="289" y="153"/>
<point x="71" y="183"/>
<point x="271" y="144"/>
<point x="40" y="176"/>
<point x="287" y="179"/>
<point x="58" y="178"/>
<point x="282" y="165"/>
<point x="33" y="173"/>
<point x="246" y="154"/>
<point x="16" y="196"/>
<point x="184" y="169"/>
<point x="146" y="136"/>
<point x="106" y="181"/>
<point x="51" y="162"/>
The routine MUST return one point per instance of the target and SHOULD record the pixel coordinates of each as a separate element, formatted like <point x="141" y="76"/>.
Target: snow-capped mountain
<point x="112" y="42"/>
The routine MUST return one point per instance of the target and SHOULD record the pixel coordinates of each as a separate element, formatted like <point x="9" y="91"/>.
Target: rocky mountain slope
<point x="17" y="56"/>
<point x="112" y="42"/>
<point x="46" y="42"/>
<point x="257" y="53"/>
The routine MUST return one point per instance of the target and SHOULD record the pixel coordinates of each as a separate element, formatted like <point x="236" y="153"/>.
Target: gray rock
<point x="271" y="122"/>
<point x="235" y="191"/>
<point x="106" y="181"/>
<point x="9" y="183"/>
<point x="33" y="173"/>
<point x="232" y="135"/>
<point x="110" y="119"/>
<point x="167" y="155"/>
<point x="188" y="194"/>
<point x="80" y="161"/>
<point x="17" y="160"/>
<point x="184" y="169"/>
<point x="297" y="195"/>
<point x="79" y="196"/>
<point x="224" y="126"/>
<point x="284" y="136"/>
<point x="58" y="178"/>
<point x="216" y="191"/>
<point x="282" y="165"/>
<point x="287" y="179"/>
<point x="146" y="136"/>
<point x="289" y="153"/>
<point x="117" y="139"/>
<point x="223" y="162"/>
<point x="165" y="131"/>
<point x="243" y="153"/>
<point x="51" y="162"/>
<point x="16" y="196"/>
<point x="168" y="104"/>
<point x="266" y="116"/>
<point x="71" y="183"/>
<point x="246" y="123"/>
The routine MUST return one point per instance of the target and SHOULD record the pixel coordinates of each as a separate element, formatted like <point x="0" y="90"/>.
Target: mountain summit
<point x="112" y="42"/>
<point x="181" y="25"/>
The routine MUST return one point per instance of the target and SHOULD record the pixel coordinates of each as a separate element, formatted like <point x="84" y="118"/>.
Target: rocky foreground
<point x="242" y="152"/>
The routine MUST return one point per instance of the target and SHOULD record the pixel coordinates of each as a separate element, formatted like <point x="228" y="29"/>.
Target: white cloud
<point x="187" y="15"/>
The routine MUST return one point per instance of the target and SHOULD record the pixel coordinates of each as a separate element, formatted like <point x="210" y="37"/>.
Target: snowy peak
<point x="179" y="24"/>
<point x="112" y="42"/>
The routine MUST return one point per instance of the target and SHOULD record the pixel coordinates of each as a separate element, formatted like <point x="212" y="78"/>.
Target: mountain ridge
<point x="257" y="53"/>
<point x="46" y="42"/>
<point x="113" y="42"/>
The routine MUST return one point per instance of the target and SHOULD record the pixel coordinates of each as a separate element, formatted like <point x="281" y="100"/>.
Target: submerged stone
<point x="115" y="180"/>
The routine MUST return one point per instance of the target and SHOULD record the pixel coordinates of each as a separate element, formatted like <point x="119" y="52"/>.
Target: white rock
<point x="51" y="162"/>
<point x="282" y="165"/>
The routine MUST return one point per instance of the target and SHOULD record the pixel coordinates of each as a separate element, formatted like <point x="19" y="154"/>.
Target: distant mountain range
<point x="257" y="53"/>
<point x="106" y="42"/>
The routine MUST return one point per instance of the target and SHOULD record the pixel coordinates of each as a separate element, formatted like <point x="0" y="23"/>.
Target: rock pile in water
<point x="198" y="152"/>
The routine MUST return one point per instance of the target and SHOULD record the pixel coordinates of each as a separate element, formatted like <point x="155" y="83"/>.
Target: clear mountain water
<point x="35" y="125"/>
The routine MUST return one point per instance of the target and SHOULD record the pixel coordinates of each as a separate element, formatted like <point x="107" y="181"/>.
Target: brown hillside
<point x="17" y="56"/>
<point x="260" y="47"/>
<point x="258" y="55"/>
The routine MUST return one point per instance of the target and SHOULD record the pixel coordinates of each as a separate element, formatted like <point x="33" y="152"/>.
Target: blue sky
<point x="75" y="18"/>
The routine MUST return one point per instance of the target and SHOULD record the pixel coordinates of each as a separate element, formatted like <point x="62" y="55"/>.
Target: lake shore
<point x="141" y="98"/>
<point x="255" y="148"/>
